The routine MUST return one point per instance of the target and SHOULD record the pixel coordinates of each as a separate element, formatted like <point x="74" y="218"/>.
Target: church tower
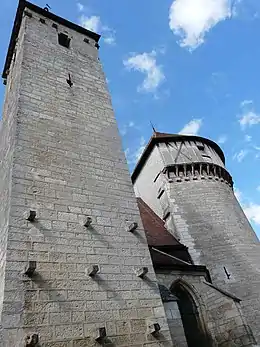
<point x="75" y="268"/>
<point x="184" y="180"/>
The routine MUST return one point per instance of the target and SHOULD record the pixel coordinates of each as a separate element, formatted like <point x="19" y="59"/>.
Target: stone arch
<point x="193" y="314"/>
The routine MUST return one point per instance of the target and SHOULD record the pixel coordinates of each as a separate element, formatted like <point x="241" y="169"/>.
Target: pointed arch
<point x="192" y="311"/>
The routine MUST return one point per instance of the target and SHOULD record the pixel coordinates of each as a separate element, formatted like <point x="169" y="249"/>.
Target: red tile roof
<point x="159" y="237"/>
<point x="156" y="233"/>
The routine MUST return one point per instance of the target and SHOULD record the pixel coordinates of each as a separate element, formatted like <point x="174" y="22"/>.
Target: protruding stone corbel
<point x="93" y="270"/>
<point x="132" y="227"/>
<point x="32" y="340"/>
<point x="88" y="222"/>
<point x="101" y="335"/>
<point x="30" y="268"/>
<point x="154" y="329"/>
<point x="30" y="215"/>
<point x="141" y="272"/>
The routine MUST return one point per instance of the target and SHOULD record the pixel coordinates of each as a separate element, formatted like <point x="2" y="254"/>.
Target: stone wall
<point x="220" y="315"/>
<point x="175" y="323"/>
<point x="69" y="164"/>
<point x="198" y="205"/>
<point x="211" y="223"/>
<point x="7" y="142"/>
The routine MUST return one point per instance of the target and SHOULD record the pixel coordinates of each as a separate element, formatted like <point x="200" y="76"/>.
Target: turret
<point x="184" y="180"/>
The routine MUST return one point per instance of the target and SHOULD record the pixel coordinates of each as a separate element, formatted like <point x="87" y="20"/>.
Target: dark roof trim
<point x="235" y="298"/>
<point x="17" y="24"/>
<point x="170" y="256"/>
<point x="186" y="268"/>
<point x="159" y="138"/>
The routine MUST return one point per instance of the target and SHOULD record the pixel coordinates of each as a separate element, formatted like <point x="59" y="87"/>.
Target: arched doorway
<point x="193" y="327"/>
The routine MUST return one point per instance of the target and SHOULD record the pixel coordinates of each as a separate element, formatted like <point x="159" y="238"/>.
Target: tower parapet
<point x="199" y="170"/>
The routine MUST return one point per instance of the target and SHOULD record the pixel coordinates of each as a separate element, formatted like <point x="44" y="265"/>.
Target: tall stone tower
<point x="73" y="261"/>
<point x="184" y="180"/>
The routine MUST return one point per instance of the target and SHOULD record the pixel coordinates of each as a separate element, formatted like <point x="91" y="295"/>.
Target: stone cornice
<point x="197" y="171"/>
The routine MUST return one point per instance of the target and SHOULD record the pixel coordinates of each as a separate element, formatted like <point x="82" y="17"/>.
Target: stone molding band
<point x="198" y="170"/>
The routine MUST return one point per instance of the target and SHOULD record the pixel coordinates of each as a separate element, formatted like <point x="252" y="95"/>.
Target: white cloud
<point x="238" y="194"/>
<point x="222" y="139"/>
<point x="248" y="138"/>
<point x="133" y="157"/>
<point x="93" y="23"/>
<point x="248" y="119"/>
<point x="127" y="151"/>
<point x="245" y="103"/>
<point x="240" y="155"/>
<point x="110" y="40"/>
<point x="252" y="211"/>
<point x="146" y="63"/>
<point x="192" y="19"/>
<point x="80" y="7"/>
<point x="192" y="128"/>
<point x="126" y="128"/>
<point x="140" y="149"/>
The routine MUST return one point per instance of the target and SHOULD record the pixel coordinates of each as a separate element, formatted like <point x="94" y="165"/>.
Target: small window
<point x="64" y="40"/>
<point x="157" y="176"/>
<point x="206" y="156"/>
<point x="160" y="193"/>
<point x="166" y="214"/>
<point x="201" y="147"/>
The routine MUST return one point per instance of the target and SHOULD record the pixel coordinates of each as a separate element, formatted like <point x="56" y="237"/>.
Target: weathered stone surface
<point x="61" y="155"/>
<point x="221" y="316"/>
<point x="201" y="210"/>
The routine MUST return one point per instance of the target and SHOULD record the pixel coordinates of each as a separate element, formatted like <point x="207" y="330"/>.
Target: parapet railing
<point x="199" y="170"/>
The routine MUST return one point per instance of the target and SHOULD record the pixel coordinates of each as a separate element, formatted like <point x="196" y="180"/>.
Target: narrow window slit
<point x="64" y="40"/>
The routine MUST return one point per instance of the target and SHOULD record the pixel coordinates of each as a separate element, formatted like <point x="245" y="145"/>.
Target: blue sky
<point x="184" y="65"/>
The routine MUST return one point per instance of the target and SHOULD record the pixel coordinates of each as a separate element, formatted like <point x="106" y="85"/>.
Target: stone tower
<point x="184" y="180"/>
<point x="73" y="259"/>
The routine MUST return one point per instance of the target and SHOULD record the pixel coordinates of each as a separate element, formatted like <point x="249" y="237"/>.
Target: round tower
<point x="184" y="179"/>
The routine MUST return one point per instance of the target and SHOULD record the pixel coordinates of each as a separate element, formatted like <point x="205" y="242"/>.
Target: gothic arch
<point x="193" y="314"/>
